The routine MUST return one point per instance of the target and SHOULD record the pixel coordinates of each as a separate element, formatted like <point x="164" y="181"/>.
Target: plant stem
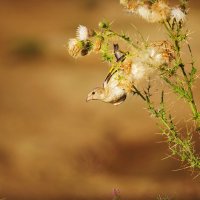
<point x="125" y="38"/>
<point x="138" y="93"/>
<point x="183" y="148"/>
<point x="177" y="47"/>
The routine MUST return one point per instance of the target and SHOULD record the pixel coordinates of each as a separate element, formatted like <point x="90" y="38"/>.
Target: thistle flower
<point x="131" y="6"/>
<point x="138" y="70"/>
<point x="74" y="47"/>
<point x="82" y="33"/>
<point x="147" y="61"/>
<point x="144" y="11"/>
<point x="155" y="12"/>
<point x="165" y="48"/>
<point x="156" y="58"/>
<point x="178" y="15"/>
<point x="160" y="11"/>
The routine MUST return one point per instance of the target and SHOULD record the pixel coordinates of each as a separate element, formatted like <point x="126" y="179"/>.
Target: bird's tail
<point x="119" y="55"/>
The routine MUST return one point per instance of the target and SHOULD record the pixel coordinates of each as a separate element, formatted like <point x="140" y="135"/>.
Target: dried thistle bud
<point x="87" y="46"/>
<point x="98" y="43"/>
<point x="74" y="47"/>
<point x="84" y="52"/>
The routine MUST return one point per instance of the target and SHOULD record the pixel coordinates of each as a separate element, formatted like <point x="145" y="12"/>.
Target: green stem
<point x="125" y="38"/>
<point x="138" y="93"/>
<point x="175" y="38"/>
<point x="183" y="148"/>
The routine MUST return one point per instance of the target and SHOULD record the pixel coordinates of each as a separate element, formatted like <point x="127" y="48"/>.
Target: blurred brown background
<point x="53" y="145"/>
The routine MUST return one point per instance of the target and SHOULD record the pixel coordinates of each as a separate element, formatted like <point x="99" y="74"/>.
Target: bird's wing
<point x="109" y="76"/>
<point x="120" y="100"/>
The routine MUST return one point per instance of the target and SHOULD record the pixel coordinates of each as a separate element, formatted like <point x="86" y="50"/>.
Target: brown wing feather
<point x="108" y="77"/>
<point x="120" y="100"/>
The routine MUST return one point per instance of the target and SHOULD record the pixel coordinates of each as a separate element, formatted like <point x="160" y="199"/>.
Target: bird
<point x="111" y="91"/>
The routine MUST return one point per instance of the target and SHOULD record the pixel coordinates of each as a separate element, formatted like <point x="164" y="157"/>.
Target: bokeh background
<point x="54" y="145"/>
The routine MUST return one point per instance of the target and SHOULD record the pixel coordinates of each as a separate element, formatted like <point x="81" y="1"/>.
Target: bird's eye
<point x="93" y="93"/>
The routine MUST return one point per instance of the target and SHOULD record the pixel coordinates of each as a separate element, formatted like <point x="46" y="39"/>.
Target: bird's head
<point x="96" y="94"/>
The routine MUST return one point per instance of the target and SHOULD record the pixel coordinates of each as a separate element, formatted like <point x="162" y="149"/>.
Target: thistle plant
<point x="133" y="68"/>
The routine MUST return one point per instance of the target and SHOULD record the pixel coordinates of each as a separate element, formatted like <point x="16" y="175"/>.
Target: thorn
<point x="176" y="170"/>
<point x="167" y="157"/>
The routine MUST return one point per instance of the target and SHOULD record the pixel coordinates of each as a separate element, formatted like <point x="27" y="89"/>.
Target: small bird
<point x="111" y="92"/>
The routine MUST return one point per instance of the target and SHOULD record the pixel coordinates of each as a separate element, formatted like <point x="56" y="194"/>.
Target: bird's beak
<point x="89" y="98"/>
